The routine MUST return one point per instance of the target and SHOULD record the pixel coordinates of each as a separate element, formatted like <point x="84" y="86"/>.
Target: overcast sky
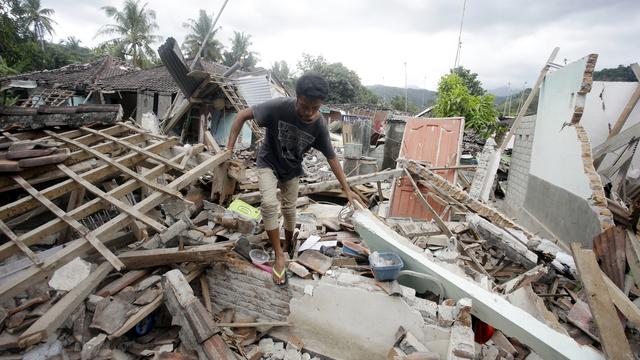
<point x="502" y="40"/>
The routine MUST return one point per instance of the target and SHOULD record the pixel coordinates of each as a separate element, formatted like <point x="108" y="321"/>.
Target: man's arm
<point x="342" y="179"/>
<point x="243" y="115"/>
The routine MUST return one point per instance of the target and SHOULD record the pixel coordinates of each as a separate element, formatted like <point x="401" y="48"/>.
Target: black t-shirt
<point x="288" y="138"/>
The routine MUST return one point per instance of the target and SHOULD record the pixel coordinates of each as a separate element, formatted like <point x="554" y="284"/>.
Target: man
<point x="294" y="125"/>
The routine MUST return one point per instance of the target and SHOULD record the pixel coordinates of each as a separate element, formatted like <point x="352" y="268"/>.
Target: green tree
<point x="240" y="52"/>
<point x="39" y="19"/>
<point x="133" y="30"/>
<point x="621" y="73"/>
<point x="455" y="99"/>
<point x="366" y="96"/>
<point x="344" y="83"/>
<point x="198" y="30"/>
<point x="398" y="102"/>
<point x="470" y="80"/>
<point x="281" y="70"/>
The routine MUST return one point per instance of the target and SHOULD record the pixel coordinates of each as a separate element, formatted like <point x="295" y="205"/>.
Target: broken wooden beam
<point x="198" y="330"/>
<point x="115" y="164"/>
<point x="60" y="311"/>
<point x="139" y="259"/>
<point x="416" y="191"/>
<point x="84" y="210"/>
<point x="151" y="307"/>
<point x="75" y="224"/>
<point x="79" y="247"/>
<point x="612" y="337"/>
<point x="15" y="240"/>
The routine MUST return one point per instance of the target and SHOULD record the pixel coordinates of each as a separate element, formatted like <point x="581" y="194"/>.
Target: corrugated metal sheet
<point x="257" y="88"/>
<point x="435" y="141"/>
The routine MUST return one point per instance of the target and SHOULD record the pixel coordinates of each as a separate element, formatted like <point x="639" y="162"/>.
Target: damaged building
<point x="131" y="236"/>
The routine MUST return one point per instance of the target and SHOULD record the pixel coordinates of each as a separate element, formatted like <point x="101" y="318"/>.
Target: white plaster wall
<point x="603" y="105"/>
<point x="556" y="155"/>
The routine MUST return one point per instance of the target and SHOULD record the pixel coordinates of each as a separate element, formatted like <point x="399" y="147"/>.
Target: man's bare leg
<point x="288" y="239"/>
<point x="280" y="265"/>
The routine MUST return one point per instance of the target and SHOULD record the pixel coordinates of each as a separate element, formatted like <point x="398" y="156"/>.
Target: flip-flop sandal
<point x="279" y="275"/>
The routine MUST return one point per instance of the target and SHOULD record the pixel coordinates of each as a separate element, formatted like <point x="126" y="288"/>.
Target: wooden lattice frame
<point x="111" y="150"/>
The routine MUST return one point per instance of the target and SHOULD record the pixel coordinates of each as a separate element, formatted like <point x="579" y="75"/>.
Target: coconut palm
<point x="240" y="44"/>
<point x="71" y="42"/>
<point x="133" y="30"/>
<point x="38" y="19"/>
<point x="198" y="30"/>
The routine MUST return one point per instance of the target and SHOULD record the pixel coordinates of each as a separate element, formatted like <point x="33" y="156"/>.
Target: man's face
<point x="308" y="110"/>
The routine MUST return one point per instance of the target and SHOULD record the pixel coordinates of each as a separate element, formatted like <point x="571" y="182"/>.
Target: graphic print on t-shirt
<point x="293" y="141"/>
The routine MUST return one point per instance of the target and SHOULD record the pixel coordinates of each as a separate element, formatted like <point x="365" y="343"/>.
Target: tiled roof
<point x="155" y="79"/>
<point x="75" y="76"/>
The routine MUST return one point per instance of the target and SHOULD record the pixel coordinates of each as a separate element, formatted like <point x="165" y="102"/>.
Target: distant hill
<point x="414" y="95"/>
<point x="516" y="98"/>
<point x="501" y="91"/>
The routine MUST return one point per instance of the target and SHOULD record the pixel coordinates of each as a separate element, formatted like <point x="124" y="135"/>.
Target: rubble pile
<point x="135" y="245"/>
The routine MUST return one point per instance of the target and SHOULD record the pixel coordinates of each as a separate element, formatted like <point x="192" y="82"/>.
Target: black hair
<point x="312" y="86"/>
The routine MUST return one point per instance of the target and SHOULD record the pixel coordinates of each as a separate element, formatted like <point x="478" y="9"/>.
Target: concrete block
<point x="70" y="274"/>
<point x="266" y="345"/>
<point x="446" y="314"/>
<point x="92" y="347"/>
<point x="461" y="345"/>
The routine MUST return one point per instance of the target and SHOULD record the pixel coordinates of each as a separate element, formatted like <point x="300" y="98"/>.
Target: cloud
<point x="502" y="41"/>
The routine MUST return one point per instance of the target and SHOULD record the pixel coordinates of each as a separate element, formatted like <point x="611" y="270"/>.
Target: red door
<point x="436" y="142"/>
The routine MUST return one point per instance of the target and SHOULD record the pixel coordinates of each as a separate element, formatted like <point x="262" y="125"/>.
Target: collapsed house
<point x="124" y="242"/>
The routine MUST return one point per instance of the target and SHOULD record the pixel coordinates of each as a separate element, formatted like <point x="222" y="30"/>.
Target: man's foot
<point x="279" y="272"/>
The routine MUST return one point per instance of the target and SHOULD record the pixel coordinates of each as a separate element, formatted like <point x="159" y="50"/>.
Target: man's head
<point x="311" y="90"/>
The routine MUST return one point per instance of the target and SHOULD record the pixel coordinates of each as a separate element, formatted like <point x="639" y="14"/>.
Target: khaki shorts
<point x="268" y="184"/>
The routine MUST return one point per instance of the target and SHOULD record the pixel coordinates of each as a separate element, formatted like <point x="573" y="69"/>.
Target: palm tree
<point x="133" y="28"/>
<point x="198" y="30"/>
<point x="39" y="19"/>
<point x="240" y="52"/>
<point x="71" y="42"/>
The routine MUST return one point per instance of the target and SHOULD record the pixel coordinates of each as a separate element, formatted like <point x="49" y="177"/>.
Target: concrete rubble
<point x="141" y="243"/>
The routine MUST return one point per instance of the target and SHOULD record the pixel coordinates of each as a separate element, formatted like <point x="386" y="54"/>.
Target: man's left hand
<point x="354" y="199"/>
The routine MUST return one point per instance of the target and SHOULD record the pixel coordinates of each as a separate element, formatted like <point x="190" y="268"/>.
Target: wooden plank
<point x="612" y="337"/>
<point x="149" y="308"/>
<point x="112" y="200"/>
<point x="14" y="239"/>
<point x="125" y="280"/>
<point x="35" y="175"/>
<point x="79" y="247"/>
<point x="75" y="199"/>
<point x="27" y="203"/>
<point x="632" y="250"/>
<point x="443" y="227"/>
<point x="139" y="259"/>
<point x="75" y="224"/>
<point x="138" y="229"/>
<point x="134" y="148"/>
<point x="622" y="302"/>
<point x="55" y="225"/>
<point x="117" y="165"/>
<point x="211" y="143"/>
<point x="60" y="311"/>
<point x="204" y="285"/>
<point x="609" y="249"/>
